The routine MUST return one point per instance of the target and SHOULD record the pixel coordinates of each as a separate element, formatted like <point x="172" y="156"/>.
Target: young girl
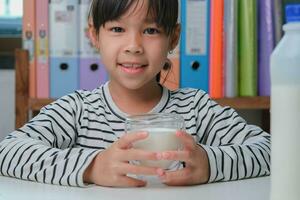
<point x="79" y="138"/>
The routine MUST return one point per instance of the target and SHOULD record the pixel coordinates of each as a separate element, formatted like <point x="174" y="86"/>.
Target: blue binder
<point x="194" y="47"/>
<point x="64" y="76"/>
<point x="64" y="47"/>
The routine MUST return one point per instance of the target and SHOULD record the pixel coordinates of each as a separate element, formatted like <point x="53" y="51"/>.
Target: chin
<point x="134" y="85"/>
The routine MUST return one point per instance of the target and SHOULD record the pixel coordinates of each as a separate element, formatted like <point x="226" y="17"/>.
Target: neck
<point x="137" y="101"/>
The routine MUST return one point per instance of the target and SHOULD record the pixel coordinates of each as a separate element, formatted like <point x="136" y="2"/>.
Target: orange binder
<point x="170" y="77"/>
<point x="28" y="36"/>
<point x="216" y="83"/>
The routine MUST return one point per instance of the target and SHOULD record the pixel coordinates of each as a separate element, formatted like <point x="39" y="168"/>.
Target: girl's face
<point x="133" y="48"/>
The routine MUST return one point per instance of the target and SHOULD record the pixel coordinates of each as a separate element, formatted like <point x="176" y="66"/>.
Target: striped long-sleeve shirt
<point x="59" y="143"/>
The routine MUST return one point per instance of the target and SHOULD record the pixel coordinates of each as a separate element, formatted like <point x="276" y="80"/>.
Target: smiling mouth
<point x="134" y="66"/>
<point x="132" y="69"/>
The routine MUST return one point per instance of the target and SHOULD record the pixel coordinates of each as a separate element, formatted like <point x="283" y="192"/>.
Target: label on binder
<point x="196" y="33"/>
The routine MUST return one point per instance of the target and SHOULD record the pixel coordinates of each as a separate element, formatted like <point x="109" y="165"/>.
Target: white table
<point x="249" y="189"/>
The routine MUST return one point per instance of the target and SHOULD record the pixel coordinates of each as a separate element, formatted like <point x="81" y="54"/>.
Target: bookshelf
<point x="24" y="105"/>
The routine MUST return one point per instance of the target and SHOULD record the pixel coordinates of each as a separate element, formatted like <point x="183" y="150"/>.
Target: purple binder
<point x="265" y="45"/>
<point x="92" y="73"/>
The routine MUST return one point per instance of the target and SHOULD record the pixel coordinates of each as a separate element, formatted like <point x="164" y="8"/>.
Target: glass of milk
<point x="162" y="129"/>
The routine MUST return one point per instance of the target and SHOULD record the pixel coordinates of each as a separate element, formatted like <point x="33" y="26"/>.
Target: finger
<point x="177" y="178"/>
<point x="184" y="155"/>
<point x="186" y="139"/>
<point x="127" y="139"/>
<point x="125" y="181"/>
<point x="138" y="169"/>
<point x="138" y="154"/>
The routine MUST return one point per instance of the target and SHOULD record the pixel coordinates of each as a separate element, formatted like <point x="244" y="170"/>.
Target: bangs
<point x="163" y="12"/>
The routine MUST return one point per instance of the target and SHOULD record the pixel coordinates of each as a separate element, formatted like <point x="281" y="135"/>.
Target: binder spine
<point x="29" y="39"/>
<point x="247" y="48"/>
<point x="64" y="47"/>
<point x="230" y="48"/>
<point x="265" y="45"/>
<point x="216" y="61"/>
<point x="42" y="49"/>
<point x="92" y="72"/>
<point x="194" y="49"/>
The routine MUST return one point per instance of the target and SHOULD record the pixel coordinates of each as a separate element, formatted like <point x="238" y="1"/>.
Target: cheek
<point x="160" y="49"/>
<point x="161" y="54"/>
<point x="106" y="52"/>
<point x="159" y="58"/>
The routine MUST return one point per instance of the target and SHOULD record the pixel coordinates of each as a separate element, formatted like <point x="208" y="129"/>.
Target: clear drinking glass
<point x="161" y="128"/>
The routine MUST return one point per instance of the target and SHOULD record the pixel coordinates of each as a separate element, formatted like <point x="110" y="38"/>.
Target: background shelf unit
<point x="26" y="106"/>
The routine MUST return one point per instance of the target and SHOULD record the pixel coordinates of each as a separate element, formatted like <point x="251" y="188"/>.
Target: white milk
<point x="285" y="112"/>
<point x="158" y="140"/>
<point x="285" y="132"/>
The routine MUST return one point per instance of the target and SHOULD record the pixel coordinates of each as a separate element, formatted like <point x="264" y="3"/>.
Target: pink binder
<point x="28" y="37"/>
<point x="42" y="49"/>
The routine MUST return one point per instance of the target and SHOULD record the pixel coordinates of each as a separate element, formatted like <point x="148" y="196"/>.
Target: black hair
<point x="165" y="12"/>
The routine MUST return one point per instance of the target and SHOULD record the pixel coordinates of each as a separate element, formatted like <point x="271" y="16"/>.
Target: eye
<point x="117" y="29"/>
<point x="151" y="31"/>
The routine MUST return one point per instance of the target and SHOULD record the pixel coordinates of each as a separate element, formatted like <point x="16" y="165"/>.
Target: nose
<point x="134" y="44"/>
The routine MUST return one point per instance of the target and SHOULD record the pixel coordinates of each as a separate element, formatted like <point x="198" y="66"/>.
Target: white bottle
<point x="285" y="111"/>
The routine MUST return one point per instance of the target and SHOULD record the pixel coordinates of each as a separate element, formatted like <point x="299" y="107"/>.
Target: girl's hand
<point x="196" y="169"/>
<point x="111" y="166"/>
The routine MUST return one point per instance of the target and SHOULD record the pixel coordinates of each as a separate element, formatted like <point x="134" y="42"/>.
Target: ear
<point x="175" y="37"/>
<point x="93" y="33"/>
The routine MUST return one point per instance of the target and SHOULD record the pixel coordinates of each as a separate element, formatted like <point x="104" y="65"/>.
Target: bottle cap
<point x="292" y="13"/>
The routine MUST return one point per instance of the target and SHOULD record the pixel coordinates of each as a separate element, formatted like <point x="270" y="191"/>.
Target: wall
<point x="7" y="102"/>
<point x="7" y="83"/>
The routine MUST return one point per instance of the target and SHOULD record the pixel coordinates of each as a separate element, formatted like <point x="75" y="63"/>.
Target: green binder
<point x="247" y="47"/>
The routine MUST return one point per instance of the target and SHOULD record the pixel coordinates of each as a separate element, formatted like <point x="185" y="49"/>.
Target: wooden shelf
<point x="24" y="104"/>
<point x="37" y="104"/>
<point x="258" y="102"/>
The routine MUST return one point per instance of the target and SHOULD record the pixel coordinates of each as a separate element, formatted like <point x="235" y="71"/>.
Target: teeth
<point x="136" y="66"/>
<point x="132" y="65"/>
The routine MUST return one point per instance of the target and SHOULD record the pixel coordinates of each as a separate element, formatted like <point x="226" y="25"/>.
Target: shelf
<point x="37" y="104"/>
<point x="24" y="104"/>
<point x="258" y="102"/>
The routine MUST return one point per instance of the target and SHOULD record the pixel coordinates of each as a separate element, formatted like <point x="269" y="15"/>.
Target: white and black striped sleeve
<point x="43" y="149"/>
<point x="235" y="149"/>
